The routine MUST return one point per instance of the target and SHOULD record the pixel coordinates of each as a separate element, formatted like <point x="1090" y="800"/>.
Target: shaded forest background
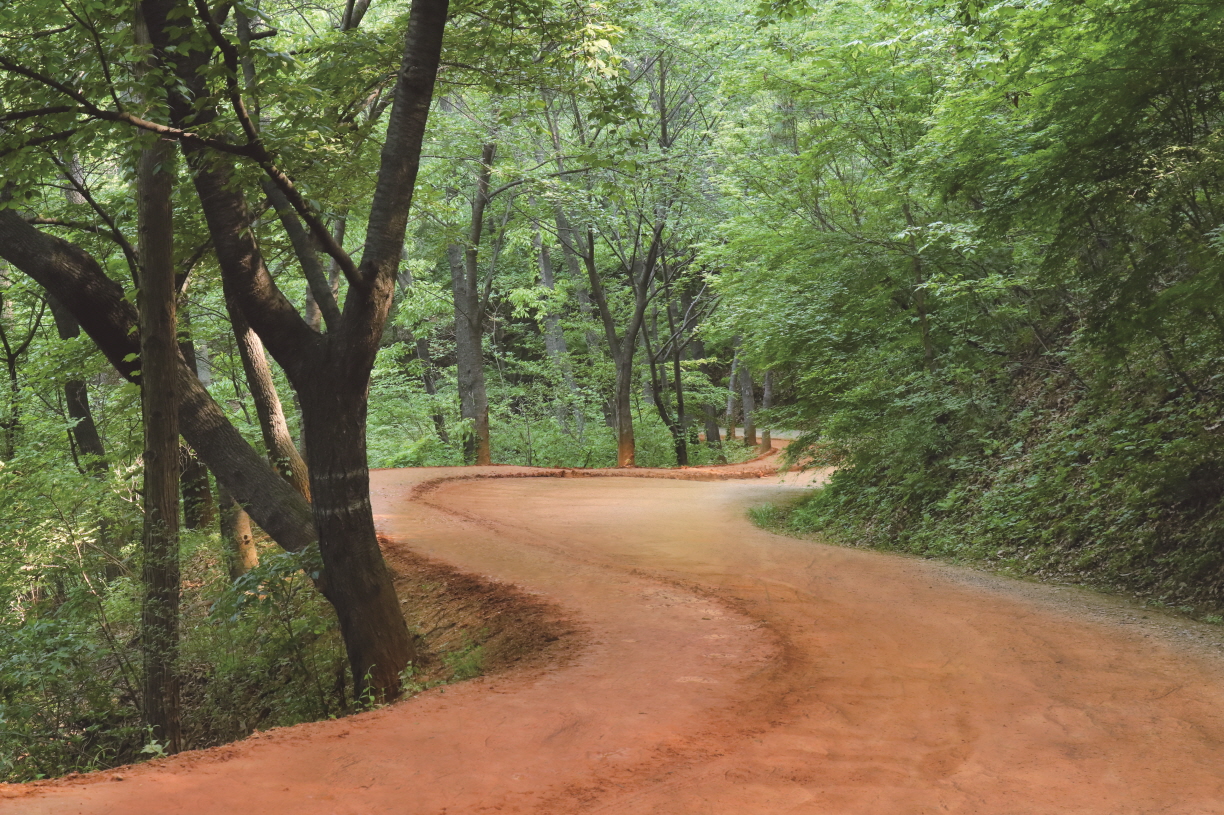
<point x="971" y="253"/>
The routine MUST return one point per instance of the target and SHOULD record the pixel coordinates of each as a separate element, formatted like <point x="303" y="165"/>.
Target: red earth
<point x="717" y="668"/>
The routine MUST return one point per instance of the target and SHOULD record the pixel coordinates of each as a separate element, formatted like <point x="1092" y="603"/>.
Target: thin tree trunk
<point x="749" y="399"/>
<point x="766" y="404"/>
<point x="732" y="388"/>
<point x="428" y="378"/>
<point x="199" y="512"/>
<point x="159" y="356"/>
<point x="282" y="452"/>
<point x="76" y="396"/>
<point x="469" y="356"/>
<point x="554" y="338"/>
<point x="709" y="412"/>
<point x="240" y="551"/>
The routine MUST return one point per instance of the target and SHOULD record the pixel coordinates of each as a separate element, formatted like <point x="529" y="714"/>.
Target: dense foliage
<point x="998" y="280"/>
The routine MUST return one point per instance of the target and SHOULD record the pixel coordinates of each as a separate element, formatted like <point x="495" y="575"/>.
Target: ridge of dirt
<point x="758" y="467"/>
<point x="456" y="614"/>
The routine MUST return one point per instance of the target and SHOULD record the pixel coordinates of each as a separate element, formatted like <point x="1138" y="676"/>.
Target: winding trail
<point x="725" y="670"/>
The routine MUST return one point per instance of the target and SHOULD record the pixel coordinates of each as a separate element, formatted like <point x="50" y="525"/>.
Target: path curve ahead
<point x="729" y="671"/>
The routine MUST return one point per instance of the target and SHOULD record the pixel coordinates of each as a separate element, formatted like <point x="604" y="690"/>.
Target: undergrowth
<point x="1116" y="484"/>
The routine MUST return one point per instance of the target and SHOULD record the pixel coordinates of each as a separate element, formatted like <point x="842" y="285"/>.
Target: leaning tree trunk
<point x="159" y="357"/>
<point x="282" y="452"/>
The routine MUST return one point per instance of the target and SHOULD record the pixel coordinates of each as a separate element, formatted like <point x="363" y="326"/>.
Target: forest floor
<point x="665" y="656"/>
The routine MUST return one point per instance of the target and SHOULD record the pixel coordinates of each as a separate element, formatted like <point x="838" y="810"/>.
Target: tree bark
<point x="76" y="397"/>
<point x="749" y="399"/>
<point x="469" y="320"/>
<point x="240" y="551"/>
<point x="766" y="404"/>
<point x="554" y="338"/>
<point x="469" y="358"/>
<point x="732" y="388"/>
<point x="199" y="512"/>
<point x="278" y="441"/>
<point x="160" y="359"/>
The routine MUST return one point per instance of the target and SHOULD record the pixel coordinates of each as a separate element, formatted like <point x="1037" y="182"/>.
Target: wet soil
<point x="702" y="665"/>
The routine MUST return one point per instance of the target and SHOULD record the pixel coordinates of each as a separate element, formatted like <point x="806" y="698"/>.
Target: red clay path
<point x="727" y="671"/>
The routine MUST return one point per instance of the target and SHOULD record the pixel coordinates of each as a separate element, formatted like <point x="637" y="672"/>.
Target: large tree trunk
<point x="159" y="356"/>
<point x="331" y="372"/>
<point x="359" y="583"/>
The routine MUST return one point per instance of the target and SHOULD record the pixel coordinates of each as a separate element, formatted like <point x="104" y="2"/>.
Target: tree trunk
<point x="732" y="388"/>
<point x="746" y="388"/>
<point x="198" y="509"/>
<point x="469" y="319"/>
<point x="98" y="304"/>
<point x="199" y="512"/>
<point x="240" y="548"/>
<point x="623" y="409"/>
<point x="358" y="581"/>
<point x="159" y="357"/>
<point x="282" y="452"/>
<point x="712" y="435"/>
<point x="554" y="338"/>
<point x="766" y="404"/>
<point x="428" y="379"/>
<point x="76" y="396"/>
<point x="469" y="356"/>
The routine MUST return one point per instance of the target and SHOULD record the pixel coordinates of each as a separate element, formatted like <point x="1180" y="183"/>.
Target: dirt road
<point x="724" y="670"/>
